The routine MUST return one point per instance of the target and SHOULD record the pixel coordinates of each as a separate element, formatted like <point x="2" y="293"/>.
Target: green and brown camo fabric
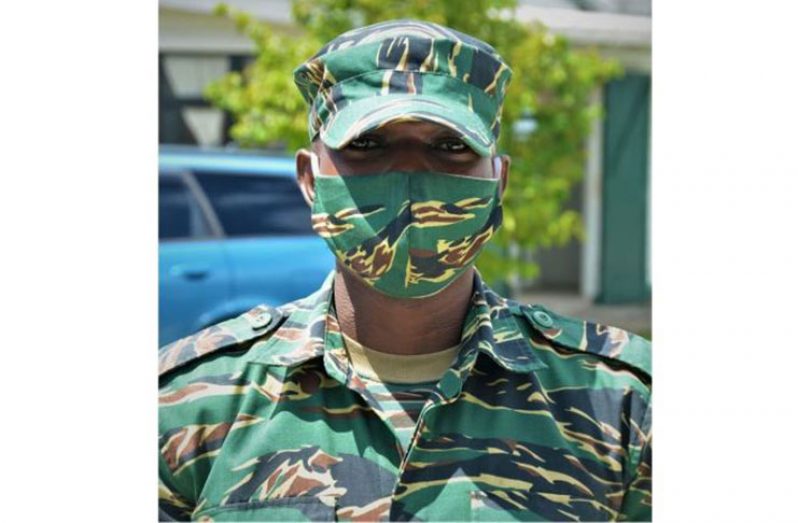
<point x="540" y="417"/>
<point x="404" y="70"/>
<point x="406" y="234"/>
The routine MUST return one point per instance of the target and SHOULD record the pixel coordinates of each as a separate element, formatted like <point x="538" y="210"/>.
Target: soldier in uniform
<point x="405" y="388"/>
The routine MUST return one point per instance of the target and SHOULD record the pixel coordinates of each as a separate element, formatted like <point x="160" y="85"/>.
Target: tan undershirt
<point x="399" y="368"/>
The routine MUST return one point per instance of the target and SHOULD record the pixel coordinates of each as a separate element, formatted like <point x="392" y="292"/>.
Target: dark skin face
<point x="380" y="322"/>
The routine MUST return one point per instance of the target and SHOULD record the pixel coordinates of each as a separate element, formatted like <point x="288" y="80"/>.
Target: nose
<point x="410" y="158"/>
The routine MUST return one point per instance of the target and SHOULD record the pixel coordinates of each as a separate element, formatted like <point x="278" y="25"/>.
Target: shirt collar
<point x="311" y="330"/>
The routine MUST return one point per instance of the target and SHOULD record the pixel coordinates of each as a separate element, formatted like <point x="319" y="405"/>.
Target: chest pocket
<point x="519" y="505"/>
<point x="299" y="508"/>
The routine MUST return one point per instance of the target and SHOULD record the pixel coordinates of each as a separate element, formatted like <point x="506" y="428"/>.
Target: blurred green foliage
<point x="552" y="82"/>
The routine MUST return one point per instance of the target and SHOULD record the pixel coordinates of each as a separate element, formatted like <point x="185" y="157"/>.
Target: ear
<point x="501" y="168"/>
<point x="304" y="175"/>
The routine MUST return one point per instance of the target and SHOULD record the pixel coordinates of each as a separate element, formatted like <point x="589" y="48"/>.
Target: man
<point x="405" y="389"/>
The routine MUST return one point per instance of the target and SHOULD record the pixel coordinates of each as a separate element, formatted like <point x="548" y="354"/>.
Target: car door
<point x="193" y="274"/>
<point x="274" y="254"/>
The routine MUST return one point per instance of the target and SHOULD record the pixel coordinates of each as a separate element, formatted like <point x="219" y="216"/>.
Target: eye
<point x="364" y="143"/>
<point x="453" y="145"/>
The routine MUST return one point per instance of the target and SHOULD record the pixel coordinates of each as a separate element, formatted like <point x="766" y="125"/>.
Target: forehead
<point x="412" y="128"/>
<point x="420" y="131"/>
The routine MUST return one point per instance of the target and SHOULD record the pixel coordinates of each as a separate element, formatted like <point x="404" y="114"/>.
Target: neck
<point x="402" y="326"/>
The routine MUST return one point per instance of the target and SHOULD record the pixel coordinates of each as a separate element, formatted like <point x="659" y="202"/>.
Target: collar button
<point x="450" y="385"/>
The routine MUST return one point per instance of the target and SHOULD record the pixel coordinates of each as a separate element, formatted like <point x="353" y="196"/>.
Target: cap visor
<point x="371" y="113"/>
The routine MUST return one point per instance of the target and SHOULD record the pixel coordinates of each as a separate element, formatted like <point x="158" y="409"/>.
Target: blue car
<point x="234" y="232"/>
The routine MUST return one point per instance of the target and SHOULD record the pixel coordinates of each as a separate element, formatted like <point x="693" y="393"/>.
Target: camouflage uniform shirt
<point x="540" y="417"/>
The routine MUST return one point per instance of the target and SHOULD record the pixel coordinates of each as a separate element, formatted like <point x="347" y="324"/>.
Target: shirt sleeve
<point x="637" y="498"/>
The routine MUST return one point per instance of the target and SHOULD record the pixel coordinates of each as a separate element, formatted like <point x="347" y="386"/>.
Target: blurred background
<point x="234" y="230"/>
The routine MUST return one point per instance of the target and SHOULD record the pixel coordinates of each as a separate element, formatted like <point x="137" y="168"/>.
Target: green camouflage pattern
<point x="408" y="235"/>
<point x="260" y="320"/>
<point x="404" y="70"/>
<point x="540" y="417"/>
<point x="399" y="405"/>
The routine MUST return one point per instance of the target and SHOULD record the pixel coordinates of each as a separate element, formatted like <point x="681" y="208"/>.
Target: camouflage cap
<point x="404" y="70"/>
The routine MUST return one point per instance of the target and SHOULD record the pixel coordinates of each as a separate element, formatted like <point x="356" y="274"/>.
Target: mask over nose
<point x="406" y="234"/>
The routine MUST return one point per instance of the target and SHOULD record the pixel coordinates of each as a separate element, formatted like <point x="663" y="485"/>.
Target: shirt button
<point x="542" y="319"/>
<point x="260" y="320"/>
<point x="450" y="385"/>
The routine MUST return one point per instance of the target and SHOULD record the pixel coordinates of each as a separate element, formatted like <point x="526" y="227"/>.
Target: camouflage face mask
<point x="406" y="234"/>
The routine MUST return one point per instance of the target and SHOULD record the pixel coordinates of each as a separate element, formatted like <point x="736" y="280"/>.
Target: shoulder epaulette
<point x="226" y="335"/>
<point x="585" y="336"/>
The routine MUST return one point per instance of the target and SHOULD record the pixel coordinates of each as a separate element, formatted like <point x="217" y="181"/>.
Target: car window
<point x="179" y="215"/>
<point x="255" y="205"/>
